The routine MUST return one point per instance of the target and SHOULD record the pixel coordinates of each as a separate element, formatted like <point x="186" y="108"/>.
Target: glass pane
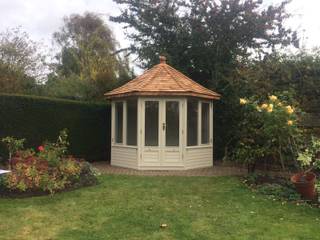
<point x="172" y="123"/>
<point x="192" y="123"/>
<point x="205" y="123"/>
<point x="119" y="122"/>
<point x="132" y="122"/>
<point x="151" y="123"/>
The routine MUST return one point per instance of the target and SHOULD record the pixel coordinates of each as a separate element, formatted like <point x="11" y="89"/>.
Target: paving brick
<point x="106" y="168"/>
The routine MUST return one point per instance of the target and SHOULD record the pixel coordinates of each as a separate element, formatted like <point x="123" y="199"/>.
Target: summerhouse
<point x="162" y="120"/>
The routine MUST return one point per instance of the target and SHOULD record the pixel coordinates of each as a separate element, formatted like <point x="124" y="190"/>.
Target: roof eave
<point x="164" y="94"/>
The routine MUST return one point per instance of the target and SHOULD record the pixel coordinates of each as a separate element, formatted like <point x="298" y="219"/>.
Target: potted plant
<point x="309" y="159"/>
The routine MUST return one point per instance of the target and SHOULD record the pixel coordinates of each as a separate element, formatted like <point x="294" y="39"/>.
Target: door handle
<point x="163" y="126"/>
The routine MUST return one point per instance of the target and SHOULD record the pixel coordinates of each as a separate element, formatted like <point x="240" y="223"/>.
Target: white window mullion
<point x="199" y="123"/>
<point x="113" y="118"/>
<point x="211" y="123"/>
<point x="124" y="134"/>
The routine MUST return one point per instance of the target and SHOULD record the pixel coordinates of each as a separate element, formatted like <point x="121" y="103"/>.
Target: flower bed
<point x="46" y="171"/>
<point x="277" y="188"/>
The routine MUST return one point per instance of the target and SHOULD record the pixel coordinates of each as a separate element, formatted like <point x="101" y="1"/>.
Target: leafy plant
<point x="279" y="192"/>
<point x="13" y="146"/>
<point x="48" y="170"/>
<point x="53" y="152"/>
<point x="268" y="130"/>
<point x="309" y="158"/>
<point x="32" y="173"/>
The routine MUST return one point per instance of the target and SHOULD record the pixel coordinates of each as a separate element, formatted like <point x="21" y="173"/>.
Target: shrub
<point x="269" y="130"/>
<point x="48" y="170"/>
<point x="38" y="119"/>
<point x="309" y="157"/>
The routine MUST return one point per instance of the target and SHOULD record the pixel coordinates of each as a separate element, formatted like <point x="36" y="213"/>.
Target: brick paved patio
<point x="218" y="170"/>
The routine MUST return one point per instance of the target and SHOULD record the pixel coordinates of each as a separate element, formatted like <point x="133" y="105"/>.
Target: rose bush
<point x="269" y="130"/>
<point x="47" y="170"/>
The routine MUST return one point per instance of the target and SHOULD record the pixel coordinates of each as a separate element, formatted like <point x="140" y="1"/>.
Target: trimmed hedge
<point x="38" y="119"/>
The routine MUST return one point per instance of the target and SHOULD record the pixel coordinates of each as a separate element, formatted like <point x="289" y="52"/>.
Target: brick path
<point x="218" y="170"/>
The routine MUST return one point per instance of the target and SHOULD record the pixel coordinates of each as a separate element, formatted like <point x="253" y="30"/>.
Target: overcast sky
<point x="41" y="18"/>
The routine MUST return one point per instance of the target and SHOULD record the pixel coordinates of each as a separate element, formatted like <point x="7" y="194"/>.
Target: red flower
<point x="41" y="148"/>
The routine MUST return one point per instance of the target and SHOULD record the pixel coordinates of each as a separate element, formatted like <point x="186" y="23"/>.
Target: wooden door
<point x="162" y="121"/>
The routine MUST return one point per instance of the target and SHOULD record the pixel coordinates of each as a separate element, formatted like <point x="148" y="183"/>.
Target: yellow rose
<point x="289" y="109"/>
<point x="264" y="106"/>
<point x="290" y="122"/>
<point x="279" y="104"/>
<point x="270" y="108"/>
<point x="243" y="101"/>
<point x="273" y="98"/>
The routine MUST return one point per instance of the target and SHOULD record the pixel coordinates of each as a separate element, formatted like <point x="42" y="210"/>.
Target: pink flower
<point x="41" y="148"/>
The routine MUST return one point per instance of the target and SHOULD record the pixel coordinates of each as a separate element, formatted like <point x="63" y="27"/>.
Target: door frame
<point x="161" y="150"/>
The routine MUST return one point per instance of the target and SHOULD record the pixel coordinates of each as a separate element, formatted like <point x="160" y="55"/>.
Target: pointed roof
<point x="162" y="80"/>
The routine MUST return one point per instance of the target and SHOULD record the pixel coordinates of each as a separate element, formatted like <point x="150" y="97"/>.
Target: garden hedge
<point x="38" y="119"/>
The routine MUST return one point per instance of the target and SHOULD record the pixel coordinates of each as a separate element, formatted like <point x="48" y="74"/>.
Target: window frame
<point x="126" y="121"/>
<point x="187" y="119"/>
<point x="114" y="124"/>
<point x="209" y="125"/>
<point x="199" y="142"/>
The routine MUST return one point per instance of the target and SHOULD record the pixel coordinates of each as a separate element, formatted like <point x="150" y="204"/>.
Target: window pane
<point x="132" y="122"/>
<point x="119" y="122"/>
<point x="151" y="123"/>
<point x="172" y="123"/>
<point x="205" y="123"/>
<point x="192" y="123"/>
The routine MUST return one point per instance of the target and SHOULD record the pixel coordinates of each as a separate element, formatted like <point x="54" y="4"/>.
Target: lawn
<point x="133" y="207"/>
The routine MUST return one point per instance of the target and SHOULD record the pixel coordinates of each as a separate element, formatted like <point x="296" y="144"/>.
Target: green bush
<point x="46" y="170"/>
<point x="39" y="119"/>
<point x="269" y="130"/>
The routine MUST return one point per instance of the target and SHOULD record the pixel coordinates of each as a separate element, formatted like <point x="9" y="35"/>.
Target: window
<point x="119" y="122"/>
<point x="172" y="123"/>
<point x="192" y="123"/>
<point x="132" y="122"/>
<point x="151" y="123"/>
<point x="205" y="123"/>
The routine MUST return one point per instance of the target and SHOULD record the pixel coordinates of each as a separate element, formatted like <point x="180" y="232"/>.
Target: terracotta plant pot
<point x="305" y="184"/>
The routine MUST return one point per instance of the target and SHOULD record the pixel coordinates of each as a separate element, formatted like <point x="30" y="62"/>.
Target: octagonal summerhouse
<point x="162" y="120"/>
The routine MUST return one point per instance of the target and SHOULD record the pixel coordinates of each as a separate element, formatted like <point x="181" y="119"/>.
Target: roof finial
<point x="162" y="59"/>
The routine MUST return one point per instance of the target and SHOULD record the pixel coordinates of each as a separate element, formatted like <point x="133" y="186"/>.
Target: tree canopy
<point x="86" y="56"/>
<point x="21" y="63"/>
<point x="204" y="39"/>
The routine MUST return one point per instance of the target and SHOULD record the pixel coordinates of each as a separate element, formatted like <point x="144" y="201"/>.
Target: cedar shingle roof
<point x="162" y="80"/>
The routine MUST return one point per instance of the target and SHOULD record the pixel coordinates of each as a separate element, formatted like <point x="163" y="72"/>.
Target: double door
<point x="161" y="130"/>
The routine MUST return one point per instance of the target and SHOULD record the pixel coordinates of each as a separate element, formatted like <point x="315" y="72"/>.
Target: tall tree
<point x="87" y="54"/>
<point x="21" y="63"/>
<point x="205" y="39"/>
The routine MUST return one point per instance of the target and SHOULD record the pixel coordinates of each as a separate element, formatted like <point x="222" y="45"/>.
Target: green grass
<point x="133" y="207"/>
